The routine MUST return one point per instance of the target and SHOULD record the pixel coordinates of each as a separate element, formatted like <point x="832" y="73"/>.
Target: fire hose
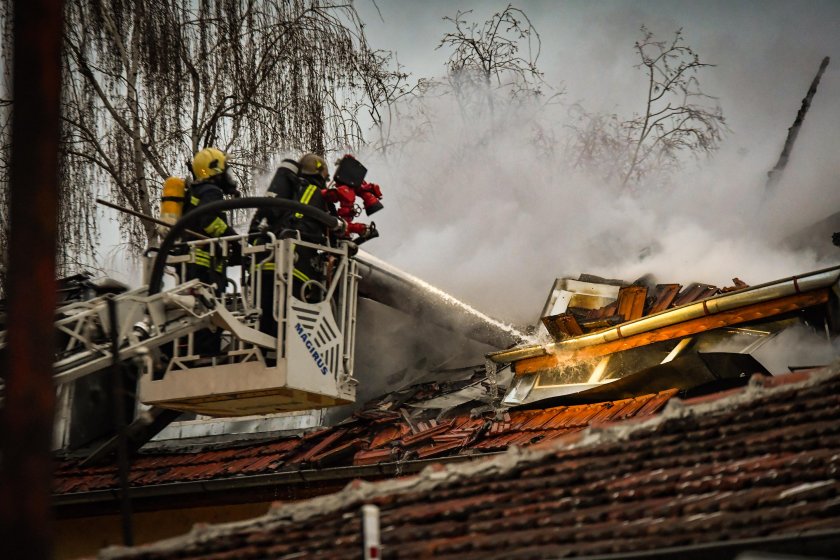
<point x="180" y="227"/>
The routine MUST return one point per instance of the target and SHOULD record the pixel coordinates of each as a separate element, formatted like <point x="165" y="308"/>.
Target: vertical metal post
<point x="371" y="547"/>
<point x="26" y="523"/>
<point x="120" y="423"/>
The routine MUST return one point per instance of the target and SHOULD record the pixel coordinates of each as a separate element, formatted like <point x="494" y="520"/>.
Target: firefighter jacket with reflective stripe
<point x="285" y="186"/>
<point x="309" y="193"/>
<point x="212" y="225"/>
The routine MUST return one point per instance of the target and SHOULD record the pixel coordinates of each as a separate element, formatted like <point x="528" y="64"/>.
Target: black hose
<point x="156" y="278"/>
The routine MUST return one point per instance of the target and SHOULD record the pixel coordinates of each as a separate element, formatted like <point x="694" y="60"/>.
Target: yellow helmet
<point x="209" y="162"/>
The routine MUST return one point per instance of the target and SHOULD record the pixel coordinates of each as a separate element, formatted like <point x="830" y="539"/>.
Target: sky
<point x="495" y="226"/>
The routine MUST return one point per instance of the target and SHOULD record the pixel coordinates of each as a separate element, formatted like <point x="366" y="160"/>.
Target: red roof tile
<point x="329" y="437"/>
<point x="389" y="434"/>
<point x="370" y="440"/>
<point x="336" y="454"/>
<point x="663" y="296"/>
<point x="374" y="456"/>
<point x="425" y="435"/>
<point x="694" y="292"/>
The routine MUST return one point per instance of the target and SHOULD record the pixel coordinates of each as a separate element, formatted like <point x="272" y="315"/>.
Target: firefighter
<point x="309" y="267"/>
<point x="212" y="182"/>
<point x="301" y="181"/>
<point x="284" y="185"/>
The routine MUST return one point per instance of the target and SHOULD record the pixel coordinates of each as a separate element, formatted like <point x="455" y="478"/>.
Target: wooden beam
<point x="686" y="328"/>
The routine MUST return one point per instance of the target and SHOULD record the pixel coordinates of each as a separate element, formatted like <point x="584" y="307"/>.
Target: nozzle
<point x="370" y="233"/>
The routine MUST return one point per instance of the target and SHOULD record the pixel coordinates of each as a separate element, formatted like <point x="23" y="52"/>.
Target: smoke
<point x="490" y="210"/>
<point x="797" y="347"/>
<point x="493" y="220"/>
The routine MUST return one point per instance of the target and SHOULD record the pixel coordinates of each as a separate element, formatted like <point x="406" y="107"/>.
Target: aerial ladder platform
<point x="307" y="364"/>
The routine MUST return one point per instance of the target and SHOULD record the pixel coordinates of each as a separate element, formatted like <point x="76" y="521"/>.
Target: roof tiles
<point x="633" y="302"/>
<point x="709" y="474"/>
<point x="371" y="438"/>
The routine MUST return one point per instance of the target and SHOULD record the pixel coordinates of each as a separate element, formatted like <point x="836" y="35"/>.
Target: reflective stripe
<point x="307" y="196"/>
<point x="216" y="228"/>
<point x="300" y="275"/>
<point x="194" y="200"/>
<point x="203" y="258"/>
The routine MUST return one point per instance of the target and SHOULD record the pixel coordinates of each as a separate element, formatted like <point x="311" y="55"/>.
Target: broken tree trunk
<point x="775" y="174"/>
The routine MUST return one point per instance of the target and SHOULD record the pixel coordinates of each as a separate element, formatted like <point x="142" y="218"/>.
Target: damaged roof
<point x="612" y="319"/>
<point x="432" y="421"/>
<point x="372" y="436"/>
<point x="755" y="468"/>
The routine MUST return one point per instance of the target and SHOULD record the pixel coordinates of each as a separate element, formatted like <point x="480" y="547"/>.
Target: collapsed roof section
<point x="604" y="330"/>
<point x="692" y="347"/>
<point x="400" y="430"/>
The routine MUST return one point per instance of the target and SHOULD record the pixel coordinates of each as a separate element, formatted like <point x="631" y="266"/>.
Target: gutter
<point x="793" y="285"/>
<point x="112" y="496"/>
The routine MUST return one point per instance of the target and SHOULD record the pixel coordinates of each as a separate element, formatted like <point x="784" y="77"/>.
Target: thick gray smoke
<point x="491" y="211"/>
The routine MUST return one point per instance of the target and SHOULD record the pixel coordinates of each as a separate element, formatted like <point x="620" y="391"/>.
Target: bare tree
<point x="678" y="115"/>
<point x="677" y="118"/>
<point x="150" y="82"/>
<point x="499" y="55"/>
<point x="600" y="141"/>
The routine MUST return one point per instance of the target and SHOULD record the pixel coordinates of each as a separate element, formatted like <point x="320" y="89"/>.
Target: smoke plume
<point x="491" y="210"/>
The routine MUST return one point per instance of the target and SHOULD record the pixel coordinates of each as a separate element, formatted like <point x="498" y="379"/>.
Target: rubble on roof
<point x="755" y="468"/>
<point x="596" y="331"/>
<point x="389" y="430"/>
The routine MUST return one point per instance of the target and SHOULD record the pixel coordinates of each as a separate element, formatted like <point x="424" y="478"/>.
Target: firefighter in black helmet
<point x="284" y="185"/>
<point x="212" y="182"/>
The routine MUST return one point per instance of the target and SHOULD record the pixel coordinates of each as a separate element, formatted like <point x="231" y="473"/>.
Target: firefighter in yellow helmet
<point x="212" y="181"/>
